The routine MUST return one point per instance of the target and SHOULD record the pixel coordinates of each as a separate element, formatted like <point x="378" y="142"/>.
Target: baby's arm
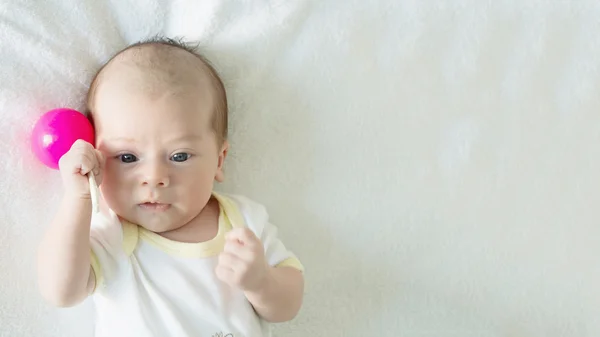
<point x="64" y="270"/>
<point x="275" y="292"/>
<point x="280" y="297"/>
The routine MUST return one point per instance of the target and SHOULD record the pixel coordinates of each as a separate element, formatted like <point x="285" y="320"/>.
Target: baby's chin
<point x="160" y="222"/>
<point x="160" y="227"/>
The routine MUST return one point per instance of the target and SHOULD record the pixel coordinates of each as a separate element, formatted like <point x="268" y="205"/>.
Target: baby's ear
<point x="220" y="175"/>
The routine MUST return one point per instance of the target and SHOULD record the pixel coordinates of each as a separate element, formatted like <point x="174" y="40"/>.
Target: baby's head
<point x="160" y="116"/>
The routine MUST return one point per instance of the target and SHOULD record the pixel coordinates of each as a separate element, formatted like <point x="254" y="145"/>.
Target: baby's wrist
<point x="77" y="198"/>
<point x="263" y="285"/>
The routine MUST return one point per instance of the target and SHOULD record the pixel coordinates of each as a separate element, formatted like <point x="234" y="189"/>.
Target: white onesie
<point x="148" y="285"/>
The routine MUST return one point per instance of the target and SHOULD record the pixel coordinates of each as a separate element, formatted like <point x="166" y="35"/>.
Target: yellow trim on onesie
<point x="291" y="262"/>
<point x="130" y="236"/>
<point x="236" y="220"/>
<point x="208" y="248"/>
<point x="95" y="263"/>
<point x="229" y="217"/>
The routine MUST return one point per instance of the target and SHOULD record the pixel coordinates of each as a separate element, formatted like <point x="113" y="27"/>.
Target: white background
<point x="434" y="164"/>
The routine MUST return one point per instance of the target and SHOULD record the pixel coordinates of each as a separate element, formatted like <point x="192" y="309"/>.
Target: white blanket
<point x="435" y="164"/>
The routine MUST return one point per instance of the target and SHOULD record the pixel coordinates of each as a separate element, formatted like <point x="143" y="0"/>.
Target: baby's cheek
<point x="108" y="193"/>
<point x="113" y="188"/>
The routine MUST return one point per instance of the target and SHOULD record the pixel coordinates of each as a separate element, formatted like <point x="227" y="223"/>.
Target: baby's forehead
<point x="144" y="78"/>
<point x="150" y="71"/>
<point x="121" y="113"/>
<point x="158" y="63"/>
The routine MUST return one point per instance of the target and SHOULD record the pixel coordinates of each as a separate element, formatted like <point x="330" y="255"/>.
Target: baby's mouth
<point x="154" y="206"/>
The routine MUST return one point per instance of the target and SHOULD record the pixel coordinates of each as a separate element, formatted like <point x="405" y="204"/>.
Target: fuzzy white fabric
<point x="434" y="164"/>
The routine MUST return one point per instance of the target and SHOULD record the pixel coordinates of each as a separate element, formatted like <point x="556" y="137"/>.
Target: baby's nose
<point x="156" y="175"/>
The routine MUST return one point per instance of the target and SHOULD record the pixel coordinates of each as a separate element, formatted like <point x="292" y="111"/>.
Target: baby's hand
<point x="242" y="263"/>
<point x="81" y="159"/>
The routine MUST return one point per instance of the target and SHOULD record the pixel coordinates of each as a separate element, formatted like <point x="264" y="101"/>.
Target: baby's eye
<point x="180" y="157"/>
<point x="127" y="158"/>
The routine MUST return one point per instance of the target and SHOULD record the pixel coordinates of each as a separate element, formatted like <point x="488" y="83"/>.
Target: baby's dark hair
<point x="220" y="110"/>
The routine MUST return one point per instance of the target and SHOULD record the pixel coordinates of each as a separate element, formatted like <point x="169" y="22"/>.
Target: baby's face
<point x="161" y="154"/>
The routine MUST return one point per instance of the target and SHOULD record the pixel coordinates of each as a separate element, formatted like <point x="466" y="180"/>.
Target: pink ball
<point x="56" y="131"/>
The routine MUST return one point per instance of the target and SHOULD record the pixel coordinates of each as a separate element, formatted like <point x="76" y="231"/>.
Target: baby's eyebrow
<point x="122" y="139"/>
<point x="186" y="138"/>
<point x="192" y="138"/>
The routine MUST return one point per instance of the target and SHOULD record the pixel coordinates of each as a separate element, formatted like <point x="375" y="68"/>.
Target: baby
<point x="166" y="255"/>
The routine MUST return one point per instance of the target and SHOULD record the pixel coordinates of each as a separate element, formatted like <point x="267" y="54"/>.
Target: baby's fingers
<point x="88" y="164"/>
<point x="100" y="168"/>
